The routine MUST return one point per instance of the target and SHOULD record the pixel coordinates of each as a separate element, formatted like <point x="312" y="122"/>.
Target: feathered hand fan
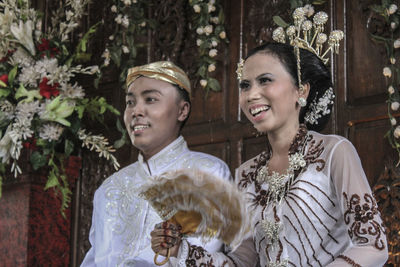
<point x="202" y="204"/>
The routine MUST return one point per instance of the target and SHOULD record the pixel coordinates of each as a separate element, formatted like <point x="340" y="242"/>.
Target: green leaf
<point x="68" y="147"/>
<point x="83" y="57"/>
<point x="12" y="74"/>
<point x="398" y="77"/>
<point x="280" y="22"/>
<point x="123" y="140"/>
<point x="386" y="3"/>
<point x="295" y="4"/>
<point x="379" y="38"/>
<point x="221" y="16"/>
<point x="377" y="8"/>
<point x="214" y="85"/>
<point x="97" y="80"/>
<point x="80" y="110"/>
<point x="82" y="45"/>
<point x="202" y="71"/>
<point x="120" y="143"/>
<point x="38" y="160"/>
<point x="3" y="84"/>
<point x="52" y="180"/>
<point x="318" y="2"/>
<point x="4" y="92"/>
<point x="66" y="196"/>
<point x="116" y="57"/>
<point x="58" y="110"/>
<point x="30" y="95"/>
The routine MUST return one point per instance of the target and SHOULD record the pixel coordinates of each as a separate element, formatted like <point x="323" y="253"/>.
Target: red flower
<point x="46" y="49"/>
<point x="31" y="144"/>
<point x="4" y="78"/>
<point x="9" y="53"/>
<point x="44" y="45"/>
<point x="47" y="90"/>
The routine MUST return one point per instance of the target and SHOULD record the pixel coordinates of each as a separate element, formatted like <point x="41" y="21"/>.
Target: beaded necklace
<point x="279" y="184"/>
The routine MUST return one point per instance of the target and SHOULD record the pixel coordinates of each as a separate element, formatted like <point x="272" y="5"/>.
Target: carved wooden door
<point x="216" y="125"/>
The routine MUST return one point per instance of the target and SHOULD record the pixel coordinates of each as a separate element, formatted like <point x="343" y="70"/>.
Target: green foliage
<point x="123" y="140"/>
<point x="38" y="160"/>
<point x="95" y="108"/>
<point x="280" y="22"/>
<point x="389" y="12"/>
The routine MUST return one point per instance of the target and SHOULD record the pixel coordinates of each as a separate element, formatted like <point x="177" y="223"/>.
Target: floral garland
<point x="391" y="15"/>
<point x="41" y="103"/>
<point x="131" y="21"/>
<point x="209" y="24"/>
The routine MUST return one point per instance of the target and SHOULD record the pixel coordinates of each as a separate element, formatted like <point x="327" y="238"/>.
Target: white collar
<point x="163" y="158"/>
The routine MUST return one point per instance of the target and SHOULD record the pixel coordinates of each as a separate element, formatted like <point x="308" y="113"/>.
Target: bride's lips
<point x="258" y="111"/>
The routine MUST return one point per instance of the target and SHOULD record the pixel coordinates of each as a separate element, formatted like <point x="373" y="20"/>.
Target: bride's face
<point x="268" y="94"/>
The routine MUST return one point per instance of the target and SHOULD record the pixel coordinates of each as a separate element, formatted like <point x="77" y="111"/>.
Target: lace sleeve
<point x="193" y="256"/>
<point x="360" y="212"/>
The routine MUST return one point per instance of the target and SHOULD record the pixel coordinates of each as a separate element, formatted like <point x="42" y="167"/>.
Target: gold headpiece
<point x="239" y="70"/>
<point x="309" y="35"/>
<point x="313" y="36"/>
<point x="161" y="70"/>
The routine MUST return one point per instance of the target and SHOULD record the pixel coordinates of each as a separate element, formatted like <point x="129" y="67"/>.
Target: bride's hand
<point x="166" y="236"/>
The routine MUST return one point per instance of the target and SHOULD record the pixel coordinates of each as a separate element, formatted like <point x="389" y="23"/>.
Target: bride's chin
<point x="260" y="128"/>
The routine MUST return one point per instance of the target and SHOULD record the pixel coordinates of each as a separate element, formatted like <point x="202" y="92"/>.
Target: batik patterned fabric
<point x="325" y="215"/>
<point x="122" y="221"/>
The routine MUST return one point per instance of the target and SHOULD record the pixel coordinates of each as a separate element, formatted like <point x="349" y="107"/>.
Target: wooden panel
<point x="365" y="84"/>
<point x="372" y="147"/>
<point x="253" y="146"/>
<point x="176" y="16"/>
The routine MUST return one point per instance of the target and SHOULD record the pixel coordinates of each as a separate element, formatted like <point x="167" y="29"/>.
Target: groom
<point x="157" y="107"/>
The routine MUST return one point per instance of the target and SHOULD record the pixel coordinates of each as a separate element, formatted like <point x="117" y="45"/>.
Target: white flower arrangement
<point x="391" y="15"/>
<point x="41" y="105"/>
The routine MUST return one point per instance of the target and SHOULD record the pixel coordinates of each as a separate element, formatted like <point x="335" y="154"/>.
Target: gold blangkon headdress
<point x="161" y="70"/>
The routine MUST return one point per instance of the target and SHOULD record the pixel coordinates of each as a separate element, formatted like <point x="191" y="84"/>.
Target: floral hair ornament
<point x="310" y="36"/>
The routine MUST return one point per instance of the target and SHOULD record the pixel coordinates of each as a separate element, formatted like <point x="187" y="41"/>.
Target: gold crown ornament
<point x="309" y="35"/>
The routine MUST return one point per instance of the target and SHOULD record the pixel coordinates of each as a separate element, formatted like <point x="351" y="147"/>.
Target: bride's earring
<point x="302" y="101"/>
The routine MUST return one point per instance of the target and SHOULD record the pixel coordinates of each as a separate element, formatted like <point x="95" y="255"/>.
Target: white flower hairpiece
<point x="318" y="109"/>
